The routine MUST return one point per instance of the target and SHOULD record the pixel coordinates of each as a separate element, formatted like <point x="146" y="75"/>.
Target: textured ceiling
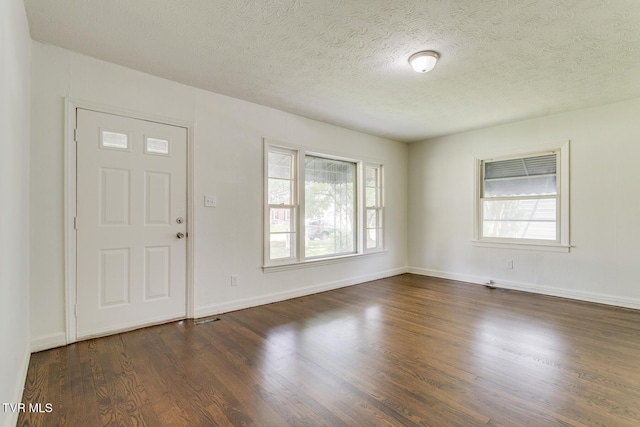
<point x="345" y="62"/>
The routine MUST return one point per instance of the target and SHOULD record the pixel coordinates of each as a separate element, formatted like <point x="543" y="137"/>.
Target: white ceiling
<point x="345" y="62"/>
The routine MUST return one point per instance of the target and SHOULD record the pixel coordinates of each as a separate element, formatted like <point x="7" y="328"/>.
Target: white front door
<point x="131" y="223"/>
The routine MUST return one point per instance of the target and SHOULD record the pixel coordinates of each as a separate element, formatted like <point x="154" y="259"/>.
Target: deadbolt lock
<point x="179" y="220"/>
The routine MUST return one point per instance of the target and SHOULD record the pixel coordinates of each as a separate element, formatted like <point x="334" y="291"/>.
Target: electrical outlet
<point x="234" y="280"/>
<point x="210" y="201"/>
<point x="509" y="264"/>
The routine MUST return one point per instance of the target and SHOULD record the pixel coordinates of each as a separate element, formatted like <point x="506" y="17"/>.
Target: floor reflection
<point x="338" y="336"/>
<point x="522" y="354"/>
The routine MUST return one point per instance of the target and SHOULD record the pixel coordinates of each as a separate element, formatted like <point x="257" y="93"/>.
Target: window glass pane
<point x="330" y="207"/>
<point x="372" y="218"/>
<point x="156" y="146"/>
<point x="520" y="219"/>
<point x="281" y="245"/>
<point x="372" y="238"/>
<point x="280" y="220"/>
<point x="528" y="209"/>
<point x="372" y="186"/>
<point x="280" y="165"/>
<point x="371" y="176"/>
<point x="280" y="191"/>
<point x="372" y="196"/>
<point x="545" y="185"/>
<point x="115" y="140"/>
<point x="520" y="230"/>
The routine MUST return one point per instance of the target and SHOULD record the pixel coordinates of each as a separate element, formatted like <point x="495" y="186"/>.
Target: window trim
<point x="562" y="244"/>
<point x="299" y="260"/>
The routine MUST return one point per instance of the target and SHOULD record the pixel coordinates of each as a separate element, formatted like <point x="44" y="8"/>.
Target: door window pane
<point x="156" y="146"/>
<point x="114" y="140"/>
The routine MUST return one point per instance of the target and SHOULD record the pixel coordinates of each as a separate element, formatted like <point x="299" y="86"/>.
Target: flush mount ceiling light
<point x="424" y="61"/>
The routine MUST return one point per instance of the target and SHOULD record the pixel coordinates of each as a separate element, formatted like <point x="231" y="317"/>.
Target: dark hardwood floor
<point x="403" y="351"/>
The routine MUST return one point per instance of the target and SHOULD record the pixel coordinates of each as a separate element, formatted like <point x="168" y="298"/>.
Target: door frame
<point x="70" y="203"/>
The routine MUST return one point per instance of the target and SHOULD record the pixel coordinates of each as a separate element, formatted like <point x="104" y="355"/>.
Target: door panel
<point x="157" y="198"/>
<point x="114" y="196"/>
<point x="131" y="189"/>
<point x="157" y="272"/>
<point x="113" y="273"/>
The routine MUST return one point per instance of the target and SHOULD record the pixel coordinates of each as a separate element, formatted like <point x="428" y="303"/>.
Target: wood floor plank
<point x="402" y="351"/>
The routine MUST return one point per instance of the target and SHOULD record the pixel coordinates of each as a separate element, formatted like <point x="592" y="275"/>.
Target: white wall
<point x="228" y="163"/>
<point x="605" y="207"/>
<point x="15" y="44"/>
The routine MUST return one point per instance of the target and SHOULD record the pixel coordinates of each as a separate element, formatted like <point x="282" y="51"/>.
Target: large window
<point x="319" y="206"/>
<point x="521" y="199"/>
<point x="329" y="207"/>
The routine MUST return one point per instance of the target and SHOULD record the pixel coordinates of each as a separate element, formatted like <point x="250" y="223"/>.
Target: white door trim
<point x="70" y="178"/>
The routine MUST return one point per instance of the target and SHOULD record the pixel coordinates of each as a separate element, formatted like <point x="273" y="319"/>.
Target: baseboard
<point x="48" y="342"/>
<point x="214" y="309"/>
<point x="12" y="417"/>
<point x="447" y="275"/>
<point x="536" y="289"/>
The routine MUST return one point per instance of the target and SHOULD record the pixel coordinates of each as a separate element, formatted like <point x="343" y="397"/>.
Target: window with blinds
<point x="520" y="198"/>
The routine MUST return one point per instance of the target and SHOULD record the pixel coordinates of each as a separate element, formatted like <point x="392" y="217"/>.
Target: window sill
<point x="319" y="262"/>
<point x="522" y="246"/>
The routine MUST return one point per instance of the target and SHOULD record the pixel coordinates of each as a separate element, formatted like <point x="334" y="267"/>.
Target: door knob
<point x="180" y="235"/>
